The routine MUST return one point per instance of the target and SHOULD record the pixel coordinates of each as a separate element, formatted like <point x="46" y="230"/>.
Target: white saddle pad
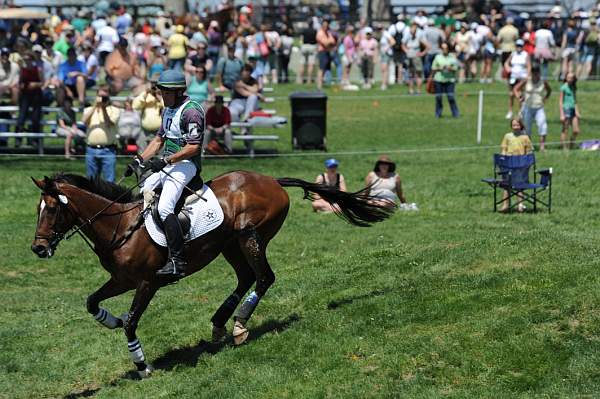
<point x="204" y="217"/>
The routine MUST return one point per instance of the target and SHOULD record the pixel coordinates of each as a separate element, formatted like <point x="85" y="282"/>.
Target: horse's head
<point x="54" y="218"/>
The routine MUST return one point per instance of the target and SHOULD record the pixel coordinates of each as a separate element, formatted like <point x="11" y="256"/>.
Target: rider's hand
<point x="155" y="164"/>
<point x="133" y="166"/>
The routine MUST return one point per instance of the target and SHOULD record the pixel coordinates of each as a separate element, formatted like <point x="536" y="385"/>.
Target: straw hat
<point x="387" y="160"/>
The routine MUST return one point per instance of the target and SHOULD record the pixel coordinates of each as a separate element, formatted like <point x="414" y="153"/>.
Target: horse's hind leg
<point x="254" y="251"/>
<point x="245" y="277"/>
<point x="143" y="294"/>
<point x="110" y="289"/>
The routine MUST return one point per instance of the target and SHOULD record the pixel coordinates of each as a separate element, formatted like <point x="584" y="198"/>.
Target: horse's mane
<point x="97" y="186"/>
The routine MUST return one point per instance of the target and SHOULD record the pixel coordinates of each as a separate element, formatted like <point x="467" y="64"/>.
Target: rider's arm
<point x="153" y="148"/>
<point x="188" y="151"/>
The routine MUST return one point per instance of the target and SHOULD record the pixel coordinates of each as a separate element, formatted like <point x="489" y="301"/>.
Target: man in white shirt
<point x="107" y="37"/>
<point x="91" y="64"/>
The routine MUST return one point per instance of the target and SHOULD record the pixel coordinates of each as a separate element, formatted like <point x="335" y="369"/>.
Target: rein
<point x="56" y="238"/>
<point x="91" y="220"/>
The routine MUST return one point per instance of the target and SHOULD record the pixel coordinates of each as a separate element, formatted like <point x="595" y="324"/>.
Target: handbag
<point x="430" y="87"/>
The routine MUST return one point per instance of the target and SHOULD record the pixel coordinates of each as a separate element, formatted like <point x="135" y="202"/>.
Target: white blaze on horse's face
<point x="42" y="206"/>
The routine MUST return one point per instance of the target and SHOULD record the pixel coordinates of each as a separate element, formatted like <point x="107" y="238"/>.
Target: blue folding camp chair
<point x="511" y="173"/>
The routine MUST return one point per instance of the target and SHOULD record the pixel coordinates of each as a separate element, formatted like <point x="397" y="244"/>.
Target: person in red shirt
<point x="218" y="120"/>
<point x="30" y="95"/>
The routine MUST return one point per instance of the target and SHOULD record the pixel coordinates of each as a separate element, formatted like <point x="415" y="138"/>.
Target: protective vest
<point x="175" y="138"/>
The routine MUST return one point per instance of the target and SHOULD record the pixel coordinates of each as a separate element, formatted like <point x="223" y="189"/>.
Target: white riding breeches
<point x="181" y="174"/>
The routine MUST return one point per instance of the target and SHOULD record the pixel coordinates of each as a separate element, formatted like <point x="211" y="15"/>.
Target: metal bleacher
<point x="410" y="7"/>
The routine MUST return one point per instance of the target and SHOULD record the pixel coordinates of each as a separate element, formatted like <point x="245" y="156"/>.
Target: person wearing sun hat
<point x="330" y="178"/>
<point x="384" y="184"/>
<point x="180" y="140"/>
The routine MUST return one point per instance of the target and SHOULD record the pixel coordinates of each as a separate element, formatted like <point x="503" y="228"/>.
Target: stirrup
<point x="172" y="269"/>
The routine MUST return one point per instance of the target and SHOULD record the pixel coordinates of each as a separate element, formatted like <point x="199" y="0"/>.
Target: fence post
<point x="480" y="117"/>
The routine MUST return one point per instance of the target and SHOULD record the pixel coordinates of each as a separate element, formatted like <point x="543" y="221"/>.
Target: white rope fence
<point x="307" y="154"/>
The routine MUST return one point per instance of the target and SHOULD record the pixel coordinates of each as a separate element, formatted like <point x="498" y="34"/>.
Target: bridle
<point x="56" y="237"/>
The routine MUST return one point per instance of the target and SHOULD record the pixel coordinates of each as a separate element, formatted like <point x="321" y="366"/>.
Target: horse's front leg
<point x="143" y="294"/>
<point x="110" y="289"/>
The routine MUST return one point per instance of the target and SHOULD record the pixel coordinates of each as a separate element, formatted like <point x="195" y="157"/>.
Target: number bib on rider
<point x="174" y="139"/>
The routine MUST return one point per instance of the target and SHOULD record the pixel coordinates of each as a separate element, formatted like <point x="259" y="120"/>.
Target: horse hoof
<point x="146" y="373"/>
<point x="218" y="333"/>
<point x="124" y="317"/>
<point x="240" y="333"/>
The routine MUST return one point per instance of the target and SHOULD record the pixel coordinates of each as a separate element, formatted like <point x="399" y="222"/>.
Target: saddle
<point x="186" y="198"/>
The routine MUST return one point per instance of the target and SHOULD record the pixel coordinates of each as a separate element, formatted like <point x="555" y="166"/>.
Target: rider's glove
<point x="134" y="166"/>
<point x="155" y="164"/>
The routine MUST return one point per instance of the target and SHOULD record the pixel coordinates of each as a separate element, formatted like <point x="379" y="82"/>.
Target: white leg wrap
<point x="135" y="351"/>
<point x="106" y="318"/>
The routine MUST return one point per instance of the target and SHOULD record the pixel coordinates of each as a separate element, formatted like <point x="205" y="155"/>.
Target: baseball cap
<point x="368" y="30"/>
<point x="4" y="51"/>
<point x="331" y="163"/>
<point x="520" y="42"/>
<point x="37" y="48"/>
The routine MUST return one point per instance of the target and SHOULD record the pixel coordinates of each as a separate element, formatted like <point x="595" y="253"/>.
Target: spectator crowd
<point x="105" y="50"/>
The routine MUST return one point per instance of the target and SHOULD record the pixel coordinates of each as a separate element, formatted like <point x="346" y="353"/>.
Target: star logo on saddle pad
<point x="210" y="215"/>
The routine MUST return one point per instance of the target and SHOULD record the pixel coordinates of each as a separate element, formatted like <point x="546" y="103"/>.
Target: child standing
<point x="569" y="112"/>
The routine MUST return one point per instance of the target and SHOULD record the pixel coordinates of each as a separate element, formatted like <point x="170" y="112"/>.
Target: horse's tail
<point x="356" y="208"/>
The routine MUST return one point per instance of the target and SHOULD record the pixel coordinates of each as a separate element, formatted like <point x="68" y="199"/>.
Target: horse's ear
<point x="39" y="183"/>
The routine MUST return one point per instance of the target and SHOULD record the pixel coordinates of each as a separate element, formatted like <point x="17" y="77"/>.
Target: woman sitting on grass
<point x="384" y="184"/>
<point x="331" y="178"/>
<point x="516" y="142"/>
<point x="66" y="125"/>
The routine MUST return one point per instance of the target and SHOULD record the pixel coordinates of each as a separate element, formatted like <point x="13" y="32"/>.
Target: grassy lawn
<point x="452" y="300"/>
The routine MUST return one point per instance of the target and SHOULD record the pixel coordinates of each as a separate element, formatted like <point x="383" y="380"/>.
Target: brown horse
<point x="254" y="206"/>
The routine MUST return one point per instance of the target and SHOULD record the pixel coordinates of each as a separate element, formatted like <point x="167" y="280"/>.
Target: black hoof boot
<point x="176" y="265"/>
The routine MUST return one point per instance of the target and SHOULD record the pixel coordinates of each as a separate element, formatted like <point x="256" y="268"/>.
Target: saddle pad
<point x="204" y="217"/>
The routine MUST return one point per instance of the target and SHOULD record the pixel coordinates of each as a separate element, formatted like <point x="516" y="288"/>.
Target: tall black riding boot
<point x="176" y="264"/>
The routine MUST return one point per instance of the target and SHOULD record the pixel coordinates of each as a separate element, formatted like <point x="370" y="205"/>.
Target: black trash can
<point x="309" y="120"/>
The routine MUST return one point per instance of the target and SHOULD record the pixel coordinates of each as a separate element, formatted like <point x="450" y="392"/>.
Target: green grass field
<point x="450" y="301"/>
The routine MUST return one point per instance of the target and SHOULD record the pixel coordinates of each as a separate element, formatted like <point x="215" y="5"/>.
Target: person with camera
<point x="101" y="121"/>
<point x="150" y="105"/>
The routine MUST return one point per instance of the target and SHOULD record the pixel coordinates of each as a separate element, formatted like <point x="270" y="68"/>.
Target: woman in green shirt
<point x="444" y="68"/>
<point x="569" y="112"/>
<point x="199" y="88"/>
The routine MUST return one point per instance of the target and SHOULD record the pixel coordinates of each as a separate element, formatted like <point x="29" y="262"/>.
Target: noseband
<point x="54" y="238"/>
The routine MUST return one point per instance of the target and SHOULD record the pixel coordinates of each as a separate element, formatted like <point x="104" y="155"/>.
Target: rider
<point x="180" y="136"/>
